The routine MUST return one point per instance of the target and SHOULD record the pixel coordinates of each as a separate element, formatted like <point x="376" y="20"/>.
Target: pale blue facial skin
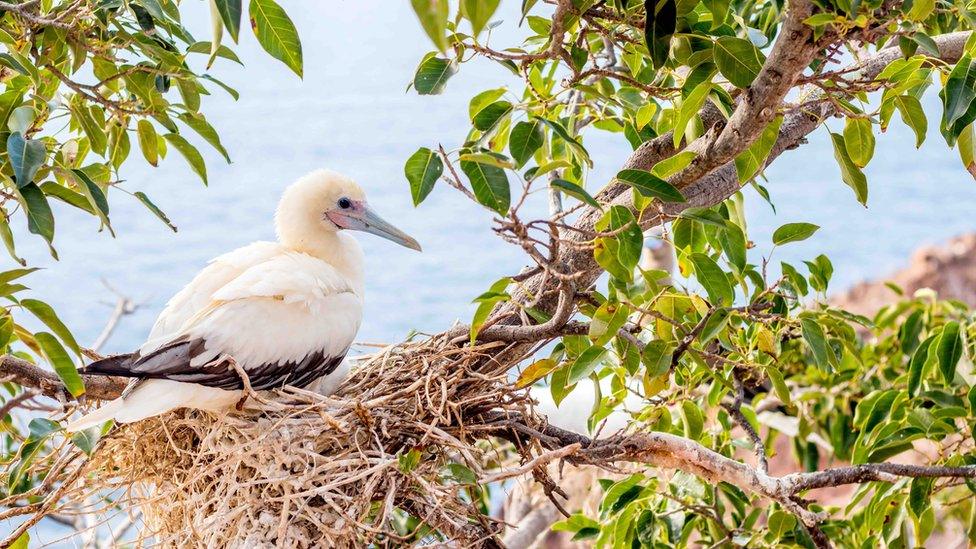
<point x="360" y="217"/>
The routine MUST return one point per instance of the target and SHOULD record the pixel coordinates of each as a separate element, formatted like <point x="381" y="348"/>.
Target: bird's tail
<point x="151" y="397"/>
<point x="97" y="417"/>
<point x="112" y="365"/>
<point x="115" y="365"/>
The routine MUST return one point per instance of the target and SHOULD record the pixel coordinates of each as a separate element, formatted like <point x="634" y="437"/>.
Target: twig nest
<point x="309" y="470"/>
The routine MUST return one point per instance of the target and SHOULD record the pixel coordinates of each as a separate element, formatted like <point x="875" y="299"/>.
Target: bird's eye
<point x="345" y="203"/>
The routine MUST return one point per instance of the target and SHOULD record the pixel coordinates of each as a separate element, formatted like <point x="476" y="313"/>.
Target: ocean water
<point x="351" y="113"/>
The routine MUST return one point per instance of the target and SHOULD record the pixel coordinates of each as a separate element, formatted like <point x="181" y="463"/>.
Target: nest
<point x="311" y="470"/>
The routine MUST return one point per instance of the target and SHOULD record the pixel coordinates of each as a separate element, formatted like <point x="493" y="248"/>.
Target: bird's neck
<point x="340" y="251"/>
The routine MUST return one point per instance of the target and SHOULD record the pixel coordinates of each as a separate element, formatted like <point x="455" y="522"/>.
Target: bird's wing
<point x="198" y="294"/>
<point x="285" y="321"/>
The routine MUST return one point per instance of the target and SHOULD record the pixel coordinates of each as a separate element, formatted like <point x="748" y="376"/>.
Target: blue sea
<point x="352" y="113"/>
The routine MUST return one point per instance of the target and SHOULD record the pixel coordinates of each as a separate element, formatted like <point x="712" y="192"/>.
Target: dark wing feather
<point x="173" y="361"/>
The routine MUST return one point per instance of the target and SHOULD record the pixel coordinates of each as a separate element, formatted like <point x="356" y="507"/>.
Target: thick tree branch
<point x="792" y="53"/>
<point x="675" y="452"/>
<point x="49" y="384"/>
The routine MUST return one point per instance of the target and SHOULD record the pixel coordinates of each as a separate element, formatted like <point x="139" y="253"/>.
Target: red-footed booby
<point x="285" y="312"/>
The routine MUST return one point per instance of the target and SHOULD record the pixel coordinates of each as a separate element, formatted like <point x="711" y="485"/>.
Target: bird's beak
<point x="368" y="221"/>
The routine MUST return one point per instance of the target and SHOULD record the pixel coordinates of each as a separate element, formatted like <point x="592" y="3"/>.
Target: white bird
<point x="285" y="312"/>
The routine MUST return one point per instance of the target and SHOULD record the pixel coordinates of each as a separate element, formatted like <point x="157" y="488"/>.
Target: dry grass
<point x="310" y="470"/>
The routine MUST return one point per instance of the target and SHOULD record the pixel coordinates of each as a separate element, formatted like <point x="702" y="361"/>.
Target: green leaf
<point x="713" y="279"/>
<point x="95" y="197"/>
<point x="484" y="99"/>
<point x="779" y="385"/>
<point x="8" y="238"/>
<point x="913" y="116"/>
<point x="689" y="108"/>
<point x="535" y="371"/>
<point x="674" y="164"/>
<point x="488" y="158"/>
<point x="849" y="172"/>
<point x="276" y="33"/>
<point x="459" y="473"/>
<point x="925" y="42"/>
<point x="148" y="141"/>
<point x="199" y="124"/>
<point x="432" y="75"/>
<point x="733" y="242"/>
<point x="40" y="219"/>
<point x="780" y="522"/>
<point x="525" y="139"/>
<point x="618" y="254"/>
<point x="957" y="98"/>
<point x="917" y="365"/>
<point x="738" y="60"/>
<point x="216" y="31"/>
<point x="719" y="10"/>
<point x="58" y="358"/>
<point x="119" y="146"/>
<point x="155" y="210"/>
<point x="230" y="15"/>
<point x="68" y="196"/>
<point x="859" y="141"/>
<point x="14" y="274"/>
<point x="9" y="101"/>
<point x="93" y="128"/>
<point x="87" y="439"/>
<point x="490" y="185"/>
<point x="408" y="462"/>
<point x="574" y="190"/>
<point x="488" y="117"/>
<point x="813" y="334"/>
<point x="45" y="313"/>
<point x="794" y="232"/>
<point x="694" y="421"/>
<point x="478" y="12"/>
<point x="16" y="63"/>
<point x="576" y="523"/>
<point x="222" y="51"/>
<point x="422" y="169"/>
<point x="26" y="157"/>
<point x="656" y="357"/>
<point x="190" y="153"/>
<point x="660" y="24"/>
<point x="22" y="542"/>
<point x="967" y="149"/>
<point x="752" y="160"/>
<point x="586" y="363"/>
<point x="486" y="303"/>
<point x="629" y="240"/>
<point x="433" y="18"/>
<point x="230" y="91"/>
<point x="578" y="150"/>
<point x="650" y="185"/>
<point x="607" y="321"/>
<point x="921" y="9"/>
<point x="949" y="351"/>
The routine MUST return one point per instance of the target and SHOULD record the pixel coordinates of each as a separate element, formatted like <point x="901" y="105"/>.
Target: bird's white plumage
<point x="196" y="295"/>
<point x="265" y="303"/>
<point x="277" y="308"/>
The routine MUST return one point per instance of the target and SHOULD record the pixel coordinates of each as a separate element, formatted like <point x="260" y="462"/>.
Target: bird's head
<point x="327" y="201"/>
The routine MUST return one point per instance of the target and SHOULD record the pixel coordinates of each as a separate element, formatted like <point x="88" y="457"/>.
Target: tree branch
<point x="49" y="384"/>
<point x="675" y="452"/>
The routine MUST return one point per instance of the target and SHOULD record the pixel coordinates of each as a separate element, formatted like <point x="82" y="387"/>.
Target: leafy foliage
<point x="666" y="77"/>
